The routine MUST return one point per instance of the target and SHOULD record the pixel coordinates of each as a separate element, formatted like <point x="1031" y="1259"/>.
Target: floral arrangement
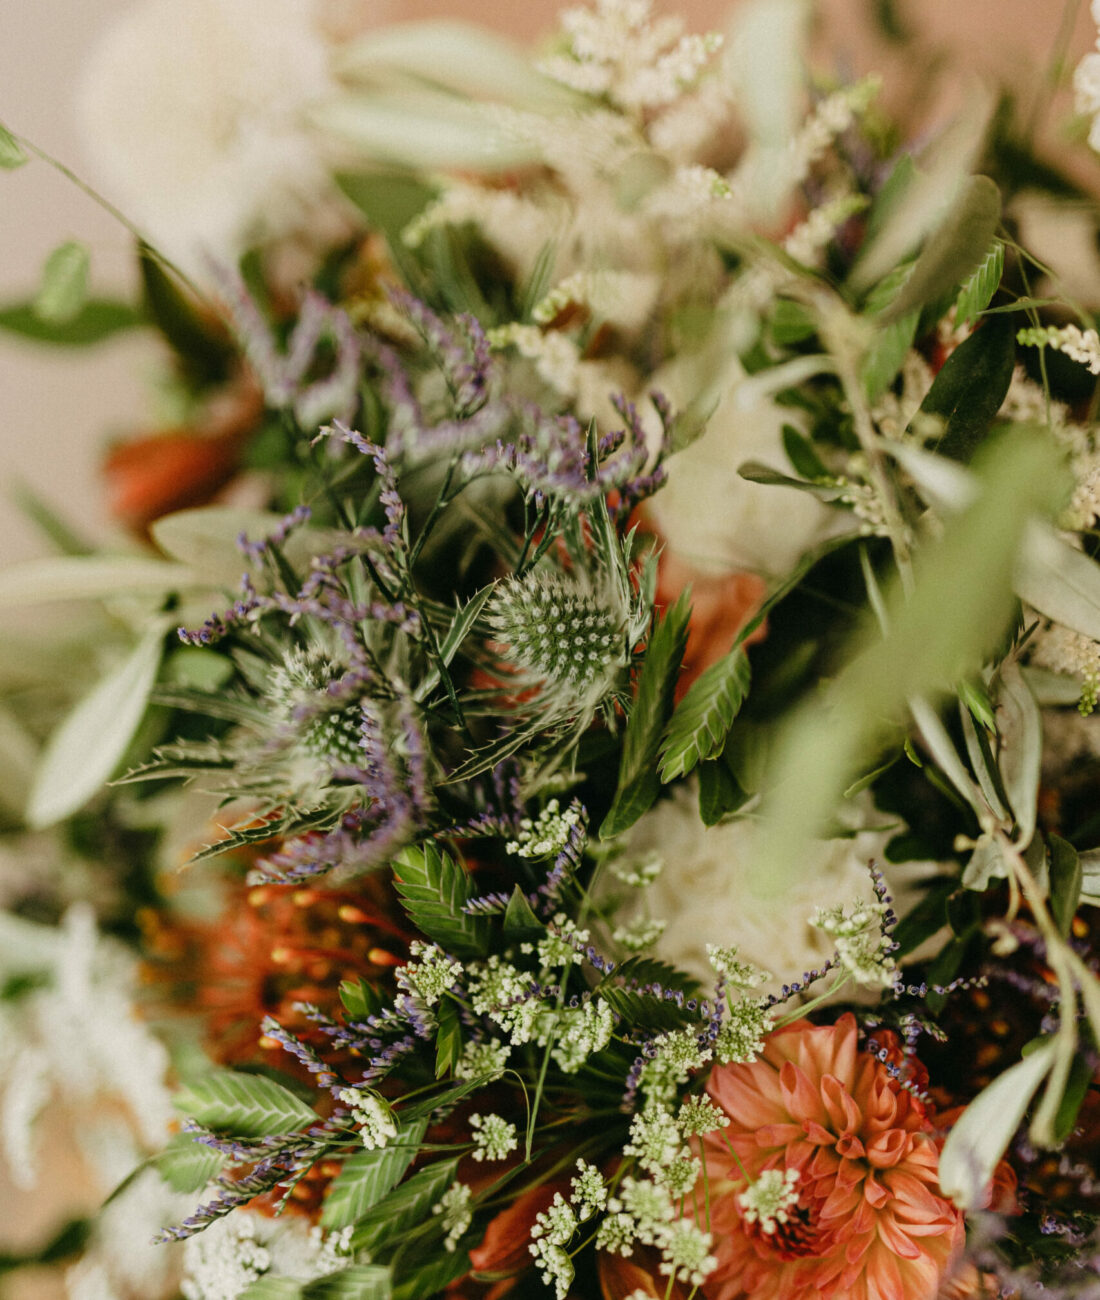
<point x="611" y="627"/>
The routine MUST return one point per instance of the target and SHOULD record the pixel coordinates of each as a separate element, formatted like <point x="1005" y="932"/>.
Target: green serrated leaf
<point x="978" y="289"/>
<point x="448" y="1038"/>
<point x="1066" y="879"/>
<point x="700" y="725"/>
<point x="638" y="784"/>
<point x="244" y="1105"/>
<point x="434" y="890"/>
<point x="405" y="1208"/>
<point x="12" y="153"/>
<point x="971" y="386"/>
<point x="360" y="1282"/>
<point x="187" y="1165"/>
<point x="368" y="1176"/>
<point x="644" y="1010"/>
<point x="651" y="970"/>
<point x="430" y="1278"/>
<point x="81" y="755"/>
<point x="461" y="624"/>
<point x="953" y="252"/>
<point x="64" y="287"/>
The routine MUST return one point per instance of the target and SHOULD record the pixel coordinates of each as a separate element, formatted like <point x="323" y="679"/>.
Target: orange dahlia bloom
<point x="864" y="1218"/>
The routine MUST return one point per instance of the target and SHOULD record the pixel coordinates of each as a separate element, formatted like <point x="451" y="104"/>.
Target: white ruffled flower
<point x="193" y="112"/>
<point x="231" y="1254"/>
<point x="702" y="895"/>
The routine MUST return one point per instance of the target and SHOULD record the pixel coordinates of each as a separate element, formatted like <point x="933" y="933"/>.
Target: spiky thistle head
<point x="296" y="690"/>
<point x="563" y="636"/>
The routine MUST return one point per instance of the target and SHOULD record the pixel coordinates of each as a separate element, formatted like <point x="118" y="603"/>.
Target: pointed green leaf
<point x="64" y="288"/>
<point x="91" y="577"/>
<point x="978" y="289"/>
<point x="244" y="1105"/>
<point x="1066" y="880"/>
<point x="971" y="386"/>
<point x="954" y="251"/>
<point x="428" y="1279"/>
<point x="97" y="319"/>
<point x="1059" y="581"/>
<point x="405" y="1208"/>
<point x="360" y="999"/>
<point x="360" y="1282"/>
<point x="448" y="1038"/>
<point x="12" y="153"/>
<point x="186" y="1164"/>
<point x="273" y="1288"/>
<point x="700" y="725"/>
<point x="800" y="452"/>
<point x="720" y="792"/>
<point x="434" y="889"/>
<point x="367" y="1176"/>
<point x="638" y="784"/>
<point x="82" y="754"/>
<point x="519" y="920"/>
<point x="1020" y="749"/>
<point x="982" y="1134"/>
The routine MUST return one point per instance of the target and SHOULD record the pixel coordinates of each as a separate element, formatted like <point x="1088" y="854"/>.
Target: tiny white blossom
<point x="546" y="835"/>
<point x="486" y="1060"/>
<point x="639" y="935"/>
<point x="581" y="1031"/>
<point x="429" y="974"/>
<point x="676" y="1054"/>
<point x="740" y="974"/>
<point x="685" y="1252"/>
<point x="457" y="1214"/>
<point x="372" y="1113"/>
<point x="1079" y="345"/>
<point x="699" y="1115"/>
<point x="589" y="1190"/>
<point x="638" y="872"/>
<point x="863" y="949"/>
<point x="617" y="1233"/>
<point x="647" y="1203"/>
<point x="494" y="1137"/>
<point x="563" y="943"/>
<point x="741" y="1038"/>
<point x="654" y="1138"/>
<point x="770" y="1198"/>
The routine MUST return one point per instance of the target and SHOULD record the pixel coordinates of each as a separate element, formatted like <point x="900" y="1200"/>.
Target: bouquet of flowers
<point x="611" y="628"/>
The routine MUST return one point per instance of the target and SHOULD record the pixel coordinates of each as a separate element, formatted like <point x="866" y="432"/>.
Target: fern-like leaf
<point x="244" y="1105"/>
<point x="699" y="727"/>
<point x="434" y="889"/>
<point x="980" y="286"/>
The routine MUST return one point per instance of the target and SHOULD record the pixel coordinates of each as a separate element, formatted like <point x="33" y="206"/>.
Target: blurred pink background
<point x="56" y="409"/>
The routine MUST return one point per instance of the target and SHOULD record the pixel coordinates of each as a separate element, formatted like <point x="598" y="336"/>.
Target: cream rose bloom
<point x="702" y="895"/>
<point x="193" y="113"/>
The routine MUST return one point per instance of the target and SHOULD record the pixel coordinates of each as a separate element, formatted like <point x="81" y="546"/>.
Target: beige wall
<point x="57" y="408"/>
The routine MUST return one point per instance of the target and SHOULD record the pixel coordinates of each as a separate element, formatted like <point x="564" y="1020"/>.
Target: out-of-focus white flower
<point x="193" y="112"/>
<point x="75" y="1041"/>
<point x="1086" y="85"/>
<point x="225" y="1259"/>
<point x="707" y="513"/>
<point x="702" y="895"/>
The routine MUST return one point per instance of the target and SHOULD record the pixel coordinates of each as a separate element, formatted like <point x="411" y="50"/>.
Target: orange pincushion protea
<point x="865" y="1219"/>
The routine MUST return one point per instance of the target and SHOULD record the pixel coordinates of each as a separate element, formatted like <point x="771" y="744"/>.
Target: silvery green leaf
<point x="773" y="379"/>
<point x="976" y="1144"/>
<point x="978" y="761"/>
<point x="986" y="863"/>
<point x="81" y="755"/>
<point x="423" y="130"/>
<point x="64" y="287"/>
<point x="205" y="540"/>
<point x="943" y="751"/>
<point x="1020" y="751"/>
<point x="91" y="577"/>
<point x="460" y="56"/>
<point x="1059" y="581"/>
<point x="1051" y="689"/>
<point x="1090" y="877"/>
<point x="931" y="192"/>
<point x="945" y="485"/>
<point x="960" y="602"/>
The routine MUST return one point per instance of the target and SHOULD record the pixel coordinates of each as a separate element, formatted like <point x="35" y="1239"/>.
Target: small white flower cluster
<point x="677" y="1054"/>
<point x="688" y="200"/>
<point x="739" y="974"/>
<point x="863" y="949"/>
<point x="741" y="1037"/>
<point x="699" y="1115"/>
<point x="1064" y="651"/>
<point x="487" y="1060"/>
<point x="457" y="1214"/>
<point x="580" y="1032"/>
<point x="1086" y="84"/>
<point x="617" y="50"/>
<point x="429" y="974"/>
<point x="554" y="1227"/>
<point x="224" y="1260"/>
<point x="643" y="1212"/>
<point x="769" y="1199"/>
<point x="563" y="943"/>
<point x="494" y="1137"/>
<point x="685" y="1252"/>
<point x="622" y="298"/>
<point x="832" y="117"/>
<point x="1079" y="345"/>
<point x="639" y="935"/>
<point x="498" y="990"/>
<point x="372" y="1113"/>
<point x="638" y="872"/>
<point x="895" y="412"/>
<point x="589" y="1191"/>
<point x="656" y="1139"/>
<point x="546" y="835"/>
<point x="866" y="504"/>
